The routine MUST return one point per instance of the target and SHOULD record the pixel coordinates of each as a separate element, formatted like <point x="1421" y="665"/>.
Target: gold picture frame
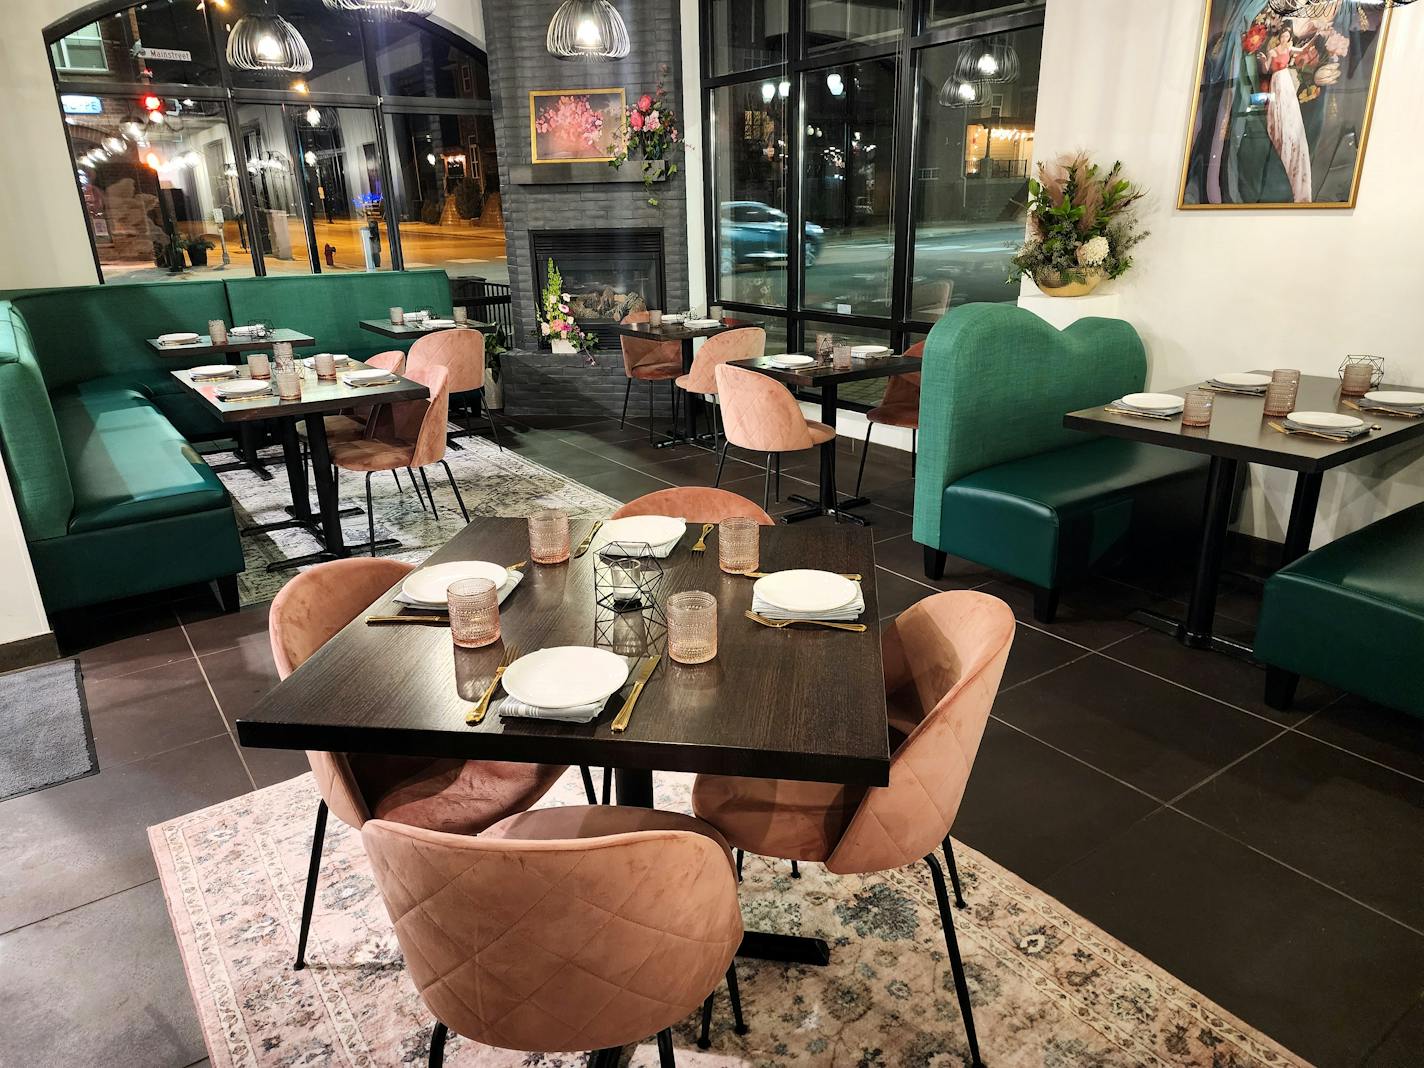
<point x="564" y="132"/>
<point x="1237" y="162"/>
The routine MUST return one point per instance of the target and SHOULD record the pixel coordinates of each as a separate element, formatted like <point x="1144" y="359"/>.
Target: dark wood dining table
<point x="319" y="399"/>
<point x="408" y="331"/>
<point x="823" y="376"/>
<point x="205" y="346"/>
<point x="684" y="336"/>
<point x="798" y="703"/>
<point x="1241" y="432"/>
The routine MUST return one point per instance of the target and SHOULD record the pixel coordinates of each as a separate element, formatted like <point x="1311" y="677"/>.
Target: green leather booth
<point x="96" y="433"/>
<point x="1001" y="482"/>
<point x="1351" y="614"/>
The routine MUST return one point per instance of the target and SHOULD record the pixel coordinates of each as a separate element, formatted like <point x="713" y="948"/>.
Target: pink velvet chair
<point x="760" y="414"/>
<point x="696" y="504"/>
<point x="562" y="929"/>
<point x="743" y="343"/>
<point x="456" y="796"/>
<point x="899" y="407"/>
<point x="415" y="439"/>
<point x="943" y="659"/>
<point x="462" y="353"/>
<point x="649" y="361"/>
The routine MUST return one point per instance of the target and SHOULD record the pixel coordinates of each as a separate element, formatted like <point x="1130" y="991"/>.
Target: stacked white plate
<point x="370" y="376"/>
<point x="243" y="389"/>
<point x="439" y="324"/>
<point x="804" y="593"/>
<point x="340" y="358"/>
<point x="659" y="533"/>
<point x="426" y="588"/>
<point x="1334" y="424"/>
<point x="674" y="320"/>
<point x="212" y="372"/>
<point x="251" y="330"/>
<point x="703" y="324"/>
<point x="181" y="338"/>
<point x="1240" y="382"/>
<point x="791" y="360"/>
<point x="568" y="682"/>
<point x="1152" y="403"/>
<point x="1404" y="401"/>
<point x="869" y="352"/>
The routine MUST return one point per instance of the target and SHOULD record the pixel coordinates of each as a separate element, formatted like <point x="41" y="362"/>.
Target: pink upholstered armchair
<point x="462" y="353"/>
<point x="943" y="660"/>
<point x="899" y="407"/>
<point x="760" y="414"/>
<point x="562" y="929"/>
<point x="743" y="343"/>
<point x="696" y="504"/>
<point x="649" y="361"/>
<point x="456" y="796"/>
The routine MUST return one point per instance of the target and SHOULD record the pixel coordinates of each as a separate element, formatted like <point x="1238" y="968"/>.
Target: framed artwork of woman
<point x="1281" y="115"/>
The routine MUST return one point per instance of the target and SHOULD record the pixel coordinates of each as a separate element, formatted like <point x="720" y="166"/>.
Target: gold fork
<point x="701" y="545"/>
<point x="517" y="567"/>
<point x="475" y="715"/>
<point x="780" y="624"/>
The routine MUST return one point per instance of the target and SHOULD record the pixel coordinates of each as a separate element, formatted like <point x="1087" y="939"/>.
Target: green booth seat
<point x="329" y="307"/>
<point x="1351" y="614"/>
<point x="1001" y="482"/>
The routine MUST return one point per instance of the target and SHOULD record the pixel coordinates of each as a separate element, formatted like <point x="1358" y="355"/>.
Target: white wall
<point x="1234" y="290"/>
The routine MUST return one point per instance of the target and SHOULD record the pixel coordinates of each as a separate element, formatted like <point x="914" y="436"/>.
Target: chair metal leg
<point x="626" y="394"/>
<point x="865" y="451"/>
<point x="766" y="490"/>
<point x="1280" y="688"/>
<point x="795" y="870"/>
<point x="666" y="1059"/>
<point x="605" y="1058"/>
<point x="954" y="874"/>
<point x="739" y="1025"/>
<point x="370" y="514"/>
<point x="778" y="478"/>
<point x="494" y="426"/>
<point x="437" y="1045"/>
<point x="608" y="786"/>
<point x="416" y="486"/>
<point x="704" y="1037"/>
<point x="428" y="493"/>
<point x="458" y="499"/>
<point x="956" y="963"/>
<point x="651" y="390"/>
<point x="313" y="869"/>
<point x="722" y="459"/>
<point x="396" y="475"/>
<point x="588" y="784"/>
<point x="741" y="855"/>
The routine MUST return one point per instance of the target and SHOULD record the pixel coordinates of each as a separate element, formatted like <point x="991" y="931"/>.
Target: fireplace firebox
<point x="607" y="273"/>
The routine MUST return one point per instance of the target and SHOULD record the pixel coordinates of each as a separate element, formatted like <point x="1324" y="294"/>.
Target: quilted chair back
<point x="305" y="615"/>
<point x="558" y="945"/>
<point x="944" y="658"/>
<point x="639" y="352"/>
<point x="696" y="504"/>
<point x="904" y="390"/>
<point x="459" y="351"/>
<point x="759" y="413"/>
<point x="743" y="343"/>
<point x="423" y="422"/>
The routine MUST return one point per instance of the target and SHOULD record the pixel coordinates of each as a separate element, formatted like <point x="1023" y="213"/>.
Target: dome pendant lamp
<point x="383" y="8"/>
<point x="267" y="44"/>
<point x="587" y="29"/>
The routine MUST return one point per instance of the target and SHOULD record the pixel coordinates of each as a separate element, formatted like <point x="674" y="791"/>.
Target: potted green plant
<point x="1081" y="227"/>
<point x="496" y="345"/>
<point x="197" y="249"/>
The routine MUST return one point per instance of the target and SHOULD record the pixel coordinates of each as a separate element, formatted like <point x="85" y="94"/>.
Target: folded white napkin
<point x="216" y="376"/>
<point x="440" y="322"/>
<point x="1228" y="387"/>
<point x="659" y="552"/>
<point x="514" y="579"/>
<point x="245" y="331"/>
<point x="509" y="706"/>
<point x="359" y="383"/>
<point x="1125" y="406"/>
<point x="848" y="614"/>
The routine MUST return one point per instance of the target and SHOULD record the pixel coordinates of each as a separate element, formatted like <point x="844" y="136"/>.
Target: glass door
<point x="341" y="183"/>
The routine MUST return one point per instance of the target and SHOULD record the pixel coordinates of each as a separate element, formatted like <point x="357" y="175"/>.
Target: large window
<point x="867" y="159"/>
<point x="381" y="157"/>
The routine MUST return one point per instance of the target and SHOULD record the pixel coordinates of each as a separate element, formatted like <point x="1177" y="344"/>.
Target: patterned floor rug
<point x="492" y="482"/>
<point x="1050" y="990"/>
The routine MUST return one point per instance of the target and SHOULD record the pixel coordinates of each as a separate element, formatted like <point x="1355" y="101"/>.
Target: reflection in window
<point x="774" y="325"/>
<point x="411" y="61"/>
<point x="868" y="391"/>
<point x="946" y="11"/>
<point x="333" y="37"/>
<point x="277" y="226"/>
<point x="161" y="198"/>
<point x="971" y="172"/>
<point x="749" y="184"/>
<point x="834" y="23"/>
<point x="341" y="178"/>
<point x="847" y="186"/>
<point x="747" y="34"/>
<point x="159" y="41"/>
<point x="448" y="206"/>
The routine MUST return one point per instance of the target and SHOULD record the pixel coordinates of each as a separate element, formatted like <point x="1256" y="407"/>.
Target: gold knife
<point x="645" y="672"/>
<point x="475" y="715"/>
<point x="443" y="620"/>
<point x="768" y="574"/>
<point x="701" y="545"/>
<point x="583" y="545"/>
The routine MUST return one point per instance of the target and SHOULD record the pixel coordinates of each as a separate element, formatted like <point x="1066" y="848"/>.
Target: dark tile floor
<point x="1272" y="861"/>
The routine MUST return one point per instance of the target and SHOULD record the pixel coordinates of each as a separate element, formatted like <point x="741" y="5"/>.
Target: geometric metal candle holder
<point x="1376" y="368"/>
<point x="628" y="585"/>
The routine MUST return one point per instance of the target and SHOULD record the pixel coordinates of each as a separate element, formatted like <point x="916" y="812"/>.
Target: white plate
<point x="804" y="590"/>
<point x="428" y="585"/>
<point x="213" y="370"/>
<point x="1325" y="420"/>
<point x="674" y="319"/>
<point x="1243" y="378"/>
<point x="435" y="323"/>
<point x="1154" y="402"/>
<point x="369" y="374"/>
<point x="654" y="530"/>
<point x="181" y="338"/>
<point x="792" y="361"/>
<point x="1394" y="396"/>
<point x="245" y="388"/>
<point x="863" y="351"/>
<point x="565" y="676"/>
<point x="340" y="359"/>
<point x="703" y="324"/>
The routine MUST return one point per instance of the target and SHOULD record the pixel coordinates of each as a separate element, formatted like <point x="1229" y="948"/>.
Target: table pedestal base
<point x="837" y="511"/>
<point x="1177" y="628"/>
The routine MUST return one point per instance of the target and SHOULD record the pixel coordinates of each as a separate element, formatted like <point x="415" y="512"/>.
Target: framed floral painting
<point x="1281" y="116"/>
<point x="575" y="125"/>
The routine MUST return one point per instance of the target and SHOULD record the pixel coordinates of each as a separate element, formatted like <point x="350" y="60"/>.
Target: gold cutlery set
<point x="781" y="624"/>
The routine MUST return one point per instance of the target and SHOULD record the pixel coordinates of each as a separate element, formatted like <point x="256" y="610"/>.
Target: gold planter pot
<point x="1073" y="284"/>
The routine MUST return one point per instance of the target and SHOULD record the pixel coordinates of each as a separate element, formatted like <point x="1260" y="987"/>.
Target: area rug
<point x="493" y="482"/>
<point x="46" y="738"/>
<point x="1049" y="989"/>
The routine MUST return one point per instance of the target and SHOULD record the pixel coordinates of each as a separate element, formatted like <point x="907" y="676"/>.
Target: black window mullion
<point x="902" y="216"/>
<point x="299" y="159"/>
<point x="795" y="225"/>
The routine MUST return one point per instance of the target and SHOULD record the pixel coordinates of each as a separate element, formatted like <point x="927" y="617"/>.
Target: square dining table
<point x="1241" y="432"/>
<point x="796" y="703"/>
<point x="205" y="346"/>
<point x="823" y="376"/>
<point x="319" y="399"/>
<point x="408" y="331"/>
<point x="684" y="335"/>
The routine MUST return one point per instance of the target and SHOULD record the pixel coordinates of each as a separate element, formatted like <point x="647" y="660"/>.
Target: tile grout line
<point x="1229" y="765"/>
<point x="241" y="758"/>
<point x="76" y="908"/>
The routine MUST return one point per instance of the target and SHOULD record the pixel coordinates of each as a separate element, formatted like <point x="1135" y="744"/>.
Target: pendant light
<point x="992" y="62"/>
<point x="268" y="44"/>
<point x="587" y="29"/>
<point x="957" y="92"/>
<point x="383" y="8"/>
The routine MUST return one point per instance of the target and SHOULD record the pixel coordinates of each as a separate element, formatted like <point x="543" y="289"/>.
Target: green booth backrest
<point x="329" y="307"/>
<point x="86" y="332"/>
<point x="996" y="383"/>
<point x="29" y="436"/>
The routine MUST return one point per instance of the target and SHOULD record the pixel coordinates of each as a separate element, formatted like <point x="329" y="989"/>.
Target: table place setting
<point x="426" y="591"/>
<point x="243" y="389"/>
<point x="251" y="331"/>
<point x="568" y="683"/>
<point x="1245" y="383"/>
<point x="212" y="372"/>
<point x="638" y="535"/>
<point x="1401" y="403"/>
<point x="178" y="339"/>
<point x="340" y="359"/>
<point x="367" y="377"/>
<point x="791" y="361"/>
<point x="1148" y="405"/>
<point x="1333" y="426"/>
<point x="804" y="595"/>
<point x="869" y="352"/>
